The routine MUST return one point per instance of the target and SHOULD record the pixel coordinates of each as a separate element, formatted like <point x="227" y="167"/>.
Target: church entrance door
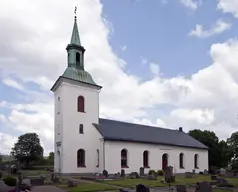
<point x="164" y="161"/>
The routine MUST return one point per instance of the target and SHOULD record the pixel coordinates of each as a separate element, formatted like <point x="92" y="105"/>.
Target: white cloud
<point x="229" y="6"/>
<point x="192" y="4"/>
<point x="6" y="142"/>
<point x="205" y="116"/>
<point x="144" y="121"/>
<point x="154" y="68"/>
<point x="219" y="27"/>
<point x="13" y="83"/>
<point x="208" y="99"/>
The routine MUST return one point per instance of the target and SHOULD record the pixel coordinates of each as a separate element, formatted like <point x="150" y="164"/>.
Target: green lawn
<point x="89" y="187"/>
<point x="131" y="183"/>
<point x="233" y="181"/>
<point x="180" y="179"/>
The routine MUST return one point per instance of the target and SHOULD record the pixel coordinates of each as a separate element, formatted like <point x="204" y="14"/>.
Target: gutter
<point x="104" y="154"/>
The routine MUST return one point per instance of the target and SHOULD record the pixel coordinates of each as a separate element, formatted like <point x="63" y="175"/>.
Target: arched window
<point x="181" y="160"/>
<point x="81" y="158"/>
<point x="81" y="128"/>
<point x="97" y="158"/>
<point x="165" y="159"/>
<point x="146" y="159"/>
<point x="124" y="158"/>
<point x="77" y="60"/>
<point x="80" y="104"/>
<point x="196" y="161"/>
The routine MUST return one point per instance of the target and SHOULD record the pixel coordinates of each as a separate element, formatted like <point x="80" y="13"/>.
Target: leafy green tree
<point x="0" y="158"/>
<point x="225" y="153"/>
<point x="28" y="148"/>
<point x="51" y="158"/>
<point x="219" y="152"/>
<point x="233" y="144"/>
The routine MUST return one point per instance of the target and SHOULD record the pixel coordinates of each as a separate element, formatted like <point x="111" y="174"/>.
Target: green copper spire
<point x="75" y="35"/>
<point x="75" y="69"/>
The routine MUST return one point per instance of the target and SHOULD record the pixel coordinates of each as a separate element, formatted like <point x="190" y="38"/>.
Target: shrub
<point x="105" y="173"/>
<point x="235" y="166"/>
<point x="160" y="172"/>
<point x="10" y="181"/>
<point x="152" y="172"/>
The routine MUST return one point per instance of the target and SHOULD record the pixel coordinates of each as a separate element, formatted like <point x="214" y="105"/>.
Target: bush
<point x="152" y="172"/>
<point x="234" y="166"/>
<point x="212" y="170"/>
<point x="10" y="181"/>
<point x="160" y="172"/>
<point x="105" y="173"/>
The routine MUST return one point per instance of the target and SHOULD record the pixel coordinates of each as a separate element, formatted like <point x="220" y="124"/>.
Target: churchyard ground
<point x="114" y="185"/>
<point x="90" y="187"/>
<point x="180" y="179"/>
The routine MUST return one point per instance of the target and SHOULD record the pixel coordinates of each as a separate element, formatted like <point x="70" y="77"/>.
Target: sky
<point x="166" y="63"/>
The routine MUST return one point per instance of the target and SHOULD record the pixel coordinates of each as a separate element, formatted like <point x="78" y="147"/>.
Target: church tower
<point x="76" y="104"/>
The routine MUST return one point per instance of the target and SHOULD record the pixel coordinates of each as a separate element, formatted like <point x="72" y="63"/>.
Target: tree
<point x="225" y="153"/>
<point x="51" y="158"/>
<point x="0" y="158"/>
<point x="218" y="151"/>
<point x="51" y="155"/>
<point x="233" y="144"/>
<point x="28" y="148"/>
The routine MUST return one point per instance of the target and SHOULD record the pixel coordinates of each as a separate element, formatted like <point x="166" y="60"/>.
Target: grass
<point x="233" y="181"/>
<point x="131" y="183"/>
<point x="89" y="187"/>
<point x="180" y="179"/>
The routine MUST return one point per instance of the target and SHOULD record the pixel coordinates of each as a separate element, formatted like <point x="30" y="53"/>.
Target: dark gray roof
<point x="123" y="131"/>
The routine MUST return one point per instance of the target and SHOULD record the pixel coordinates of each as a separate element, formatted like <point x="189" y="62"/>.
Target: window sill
<point x="124" y="167"/>
<point x="146" y="167"/>
<point x="97" y="166"/>
<point x="82" y="166"/>
<point x="81" y="111"/>
<point x="181" y="168"/>
<point x="196" y="167"/>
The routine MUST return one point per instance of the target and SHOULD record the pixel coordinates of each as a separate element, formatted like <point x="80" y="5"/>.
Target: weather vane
<point x="75" y="11"/>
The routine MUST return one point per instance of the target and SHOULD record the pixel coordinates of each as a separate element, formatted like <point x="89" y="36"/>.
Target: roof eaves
<point x="62" y="77"/>
<point x="150" y="142"/>
<point x="95" y="85"/>
<point x="97" y="127"/>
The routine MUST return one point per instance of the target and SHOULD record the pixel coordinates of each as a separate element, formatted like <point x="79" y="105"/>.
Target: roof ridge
<point x="143" y="125"/>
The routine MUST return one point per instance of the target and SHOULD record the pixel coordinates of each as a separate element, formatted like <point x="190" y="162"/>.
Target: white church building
<point x="85" y="143"/>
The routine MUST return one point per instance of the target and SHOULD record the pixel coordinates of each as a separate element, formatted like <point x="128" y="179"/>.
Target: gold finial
<point x="75" y="11"/>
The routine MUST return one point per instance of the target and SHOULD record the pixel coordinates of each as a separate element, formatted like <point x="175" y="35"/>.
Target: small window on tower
<point x="77" y="60"/>
<point x="81" y="128"/>
<point x="58" y="105"/>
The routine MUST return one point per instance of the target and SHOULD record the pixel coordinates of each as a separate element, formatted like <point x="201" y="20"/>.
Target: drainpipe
<point x="103" y="154"/>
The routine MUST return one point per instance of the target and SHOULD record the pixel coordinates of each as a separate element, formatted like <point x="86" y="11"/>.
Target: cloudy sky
<point x="168" y="63"/>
